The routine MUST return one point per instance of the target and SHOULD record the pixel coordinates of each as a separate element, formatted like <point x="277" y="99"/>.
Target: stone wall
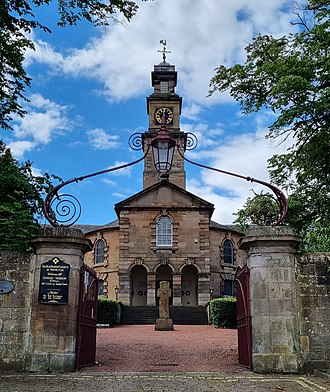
<point x="14" y="310"/>
<point x="313" y="293"/>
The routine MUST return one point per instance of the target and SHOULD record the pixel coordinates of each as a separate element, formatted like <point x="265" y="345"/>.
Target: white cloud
<point x="101" y="140"/>
<point x="200" y="36"/>
<point x="192" y="112"/>
<point x="121" y="172"/>
<point x="246" y="155"/>
<point x="44" y="120"/>
<point x="206" y="136"/>
<point x="37" y="172"/>
<point x="119" y="195"/>
<point x="109" y="182"/>
<point x="19" y="148"/>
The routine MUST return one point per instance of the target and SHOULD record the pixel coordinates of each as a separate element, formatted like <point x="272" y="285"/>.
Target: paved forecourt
<point x="156" y="382"/>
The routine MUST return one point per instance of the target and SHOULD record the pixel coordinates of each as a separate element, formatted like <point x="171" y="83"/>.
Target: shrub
<point x="223" y="312"/>
<point x="107" y="311"/>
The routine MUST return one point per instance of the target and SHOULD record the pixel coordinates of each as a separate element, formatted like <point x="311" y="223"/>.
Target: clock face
<point x="164" y="112"/>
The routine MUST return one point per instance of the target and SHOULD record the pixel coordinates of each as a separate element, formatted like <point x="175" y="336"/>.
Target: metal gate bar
<point x="243" y="317"/>
<point x="87" y="313"/>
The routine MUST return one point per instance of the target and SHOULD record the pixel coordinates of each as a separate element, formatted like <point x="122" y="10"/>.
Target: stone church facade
<point x="164" y="232"/>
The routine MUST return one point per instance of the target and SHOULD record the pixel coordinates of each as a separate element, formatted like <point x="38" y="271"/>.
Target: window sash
<point x="164" y="87"/>
<point x="99" y="252"/>
<point x="228" y="288"/>
<point x="100" y="287"/>
<point x="164" y="232"/>
<point x="228" y="252"/>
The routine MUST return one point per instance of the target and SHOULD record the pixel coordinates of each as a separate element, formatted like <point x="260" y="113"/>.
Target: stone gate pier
<point x="53" y="324"/>
<point x="271" y="258"/>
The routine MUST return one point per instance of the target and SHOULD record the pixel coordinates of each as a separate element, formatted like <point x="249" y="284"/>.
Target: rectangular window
<point x="228" y="288"/>
<point x="164" y="87"/>
<point x="100" y="288"/>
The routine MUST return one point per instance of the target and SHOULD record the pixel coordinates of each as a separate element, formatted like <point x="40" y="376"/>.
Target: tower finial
<point x="164" y="51"/>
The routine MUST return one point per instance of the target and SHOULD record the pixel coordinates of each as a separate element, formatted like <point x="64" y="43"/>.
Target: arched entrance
<point x="164" y="272"/>
<point x="189" y="286"/>
<point x="138" y="286"/>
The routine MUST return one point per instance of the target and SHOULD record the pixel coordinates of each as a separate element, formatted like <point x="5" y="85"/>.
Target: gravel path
<point x="189" y="348"/>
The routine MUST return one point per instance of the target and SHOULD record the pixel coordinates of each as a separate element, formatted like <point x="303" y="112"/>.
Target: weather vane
<point x="164" y="51"/>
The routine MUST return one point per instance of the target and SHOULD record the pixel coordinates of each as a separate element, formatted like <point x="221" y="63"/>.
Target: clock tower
<point x="164" y="103"/>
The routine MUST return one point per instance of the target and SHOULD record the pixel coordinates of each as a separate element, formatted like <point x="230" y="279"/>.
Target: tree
<point x="20" y="201"/>
<point x="291" y="76"/>
<point x="17" y="21"/>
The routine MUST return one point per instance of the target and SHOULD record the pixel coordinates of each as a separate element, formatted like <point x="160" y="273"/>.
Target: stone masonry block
<point x="49" y="342"/>
<point x="38" y="362"/>
<point x="260" y="307"/>
<point x="63" y="363"/>
<point x="275" y="363"/>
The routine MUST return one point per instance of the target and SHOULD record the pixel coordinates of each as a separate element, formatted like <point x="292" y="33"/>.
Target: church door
<point x="164" y="273"/>
<point x="138" y="286"/>
<point x="189" y="286"/>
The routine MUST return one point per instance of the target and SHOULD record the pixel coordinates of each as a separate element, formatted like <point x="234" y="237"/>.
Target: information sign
<point x="54" y="282"/>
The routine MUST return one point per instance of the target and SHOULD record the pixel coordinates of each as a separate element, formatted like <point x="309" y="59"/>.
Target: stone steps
<point x="185" y="315"/>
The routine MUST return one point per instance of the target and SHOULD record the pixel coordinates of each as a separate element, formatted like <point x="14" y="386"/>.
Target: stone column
<point x="275" y="331"/>
<point x="52" y="345"/>
<point x="151" y="293"/>
<point x="177" y="289"/>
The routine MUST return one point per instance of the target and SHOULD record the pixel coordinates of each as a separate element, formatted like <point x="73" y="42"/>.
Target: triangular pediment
<point x="164" y="194"/>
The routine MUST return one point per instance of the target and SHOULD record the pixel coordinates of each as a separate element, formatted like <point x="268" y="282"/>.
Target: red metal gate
<point x="86" y="329"/>
<point x="243" y="317"/>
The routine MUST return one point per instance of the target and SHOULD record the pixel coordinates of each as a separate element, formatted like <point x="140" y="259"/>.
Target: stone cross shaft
<point x="164" y="293"/>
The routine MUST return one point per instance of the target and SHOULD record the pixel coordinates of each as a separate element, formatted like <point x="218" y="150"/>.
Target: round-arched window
<point x="228" y="252"/>
<point x="164" y="231"/>
<point x="99" y="252"/>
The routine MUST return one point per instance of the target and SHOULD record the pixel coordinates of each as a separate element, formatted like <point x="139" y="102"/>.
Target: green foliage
<point x="20" y="201"/>
<point x="316" y="238"/>
<point x="291" y="77"/>
<point x="262" y="209"/>
<point x="107" y="311"/>
<point x="18" y="20"/>
<point x="223" y="312"/>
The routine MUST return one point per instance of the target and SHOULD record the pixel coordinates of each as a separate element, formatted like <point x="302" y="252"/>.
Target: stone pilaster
<point x="275" y="332"/>
<point x="124" y="294"/>
<point x="151" y="293"/>
<point x="52" y="345"/>
<point x="203" y="288"/>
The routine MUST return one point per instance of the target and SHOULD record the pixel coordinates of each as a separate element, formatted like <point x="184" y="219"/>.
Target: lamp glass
<point x="163" y="155"/>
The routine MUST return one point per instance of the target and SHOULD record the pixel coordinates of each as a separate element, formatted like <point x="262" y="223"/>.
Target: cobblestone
<point x="159" y="382"/>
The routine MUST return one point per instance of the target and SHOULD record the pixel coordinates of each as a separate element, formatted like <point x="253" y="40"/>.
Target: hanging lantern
<point x="163" y="150"/>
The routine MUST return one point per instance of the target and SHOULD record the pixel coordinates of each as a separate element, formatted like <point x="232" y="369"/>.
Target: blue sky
<point x="89" y="88"/>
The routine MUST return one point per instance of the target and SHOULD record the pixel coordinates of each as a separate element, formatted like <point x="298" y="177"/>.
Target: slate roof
<point x="115" y="224"/>
<point x="215" y="225"/>
<point x="90" y="228"/>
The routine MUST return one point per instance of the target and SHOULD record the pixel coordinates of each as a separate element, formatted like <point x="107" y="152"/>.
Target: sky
<point x="89" y="88"/>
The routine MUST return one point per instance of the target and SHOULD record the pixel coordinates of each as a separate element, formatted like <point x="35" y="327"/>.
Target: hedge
<point x="223" y="312"/>
<point x="107" y="311"/>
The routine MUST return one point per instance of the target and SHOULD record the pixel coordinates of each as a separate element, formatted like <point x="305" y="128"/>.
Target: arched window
<point x="164" y="231"/>
<point x="99" y="252"/>
<point x="228" y="252"/>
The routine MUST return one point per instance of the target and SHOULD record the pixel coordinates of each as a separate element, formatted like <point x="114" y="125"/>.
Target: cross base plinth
<point x="164" y="324"/>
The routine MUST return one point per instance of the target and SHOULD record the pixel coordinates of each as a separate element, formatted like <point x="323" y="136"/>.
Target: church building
<point x="164" y="232"/>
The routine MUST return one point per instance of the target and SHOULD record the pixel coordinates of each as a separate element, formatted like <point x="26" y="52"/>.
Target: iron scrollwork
<point x="65" y="209"/>
<point x="270" y="209"/>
